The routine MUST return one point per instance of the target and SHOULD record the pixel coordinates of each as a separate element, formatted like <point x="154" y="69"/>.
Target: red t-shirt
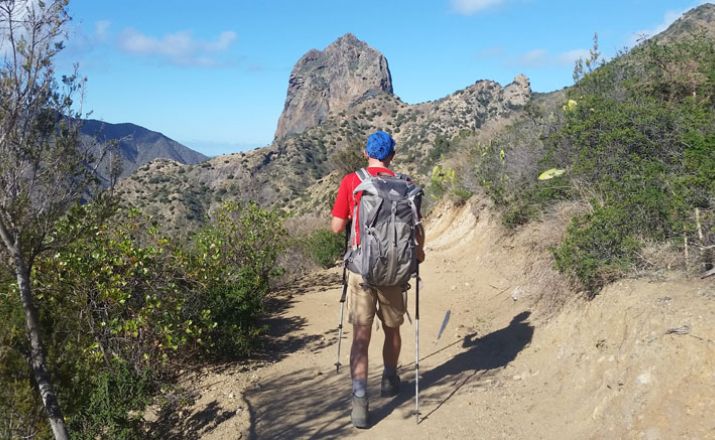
<point x="345" y="202"/>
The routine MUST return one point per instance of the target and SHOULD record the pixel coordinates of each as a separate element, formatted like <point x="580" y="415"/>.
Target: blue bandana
<point x="380" y="145"/>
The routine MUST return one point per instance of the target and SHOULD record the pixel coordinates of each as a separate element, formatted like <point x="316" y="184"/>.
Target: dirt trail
<point x="515" y="360"/>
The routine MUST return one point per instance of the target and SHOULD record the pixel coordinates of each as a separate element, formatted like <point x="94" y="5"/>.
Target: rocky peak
<point x="518" y="93"/>
<point x="330" y="81"/>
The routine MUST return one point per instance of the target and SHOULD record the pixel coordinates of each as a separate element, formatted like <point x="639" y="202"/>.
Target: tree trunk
<point x="37" y="355"/>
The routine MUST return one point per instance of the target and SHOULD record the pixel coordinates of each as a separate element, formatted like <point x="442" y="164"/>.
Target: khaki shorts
<point x="363" y="301"/>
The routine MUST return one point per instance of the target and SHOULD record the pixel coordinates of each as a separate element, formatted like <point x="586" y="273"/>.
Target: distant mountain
<point x="697" y="21"/>
<point x="138" y="145"/>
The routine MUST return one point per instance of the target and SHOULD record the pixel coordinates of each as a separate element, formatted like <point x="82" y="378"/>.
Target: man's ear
<point x="364" y="154"/>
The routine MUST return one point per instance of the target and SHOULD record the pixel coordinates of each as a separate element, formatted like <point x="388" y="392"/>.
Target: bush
<point x="638" y="129"/>
<point x="597" y="249"/>
<point x="236" y="256"/>
<point x="124" y="307"/>
<point x="444" y="182"/>
<point x="113" y="408"/>
<point x="324" y="247"/>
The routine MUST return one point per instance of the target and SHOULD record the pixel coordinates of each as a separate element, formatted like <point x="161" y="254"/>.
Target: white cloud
<point x="543" y="58"/>
<point x="491" y="52"/>
<point x="536" y="57"/>
<point x="179" y="48"/>
<point x="469" y="7"/>
<point x="101" y="29"/>
<point x="571" y="56"/>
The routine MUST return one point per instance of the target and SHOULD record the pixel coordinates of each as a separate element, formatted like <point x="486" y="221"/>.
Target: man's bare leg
<point x="391" y="348"/>
<point x="358" y="356"/>
<point x="390" y="385"/>
<point x="358" y="372"/>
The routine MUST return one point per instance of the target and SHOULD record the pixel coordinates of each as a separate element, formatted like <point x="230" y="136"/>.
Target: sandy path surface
<point x="507" y="351"/>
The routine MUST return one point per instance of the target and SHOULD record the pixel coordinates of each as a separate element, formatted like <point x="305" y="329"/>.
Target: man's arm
<point x="420" y="236"/>
<point x="341" y="207"/>
<point x="337" y="224"/>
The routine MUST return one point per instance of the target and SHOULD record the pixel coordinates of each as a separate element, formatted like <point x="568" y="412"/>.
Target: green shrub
<point x="639" y="139"/>
<point x="124" y="307"/>
<point x="113" y="408"/>
<point x="597" y="249"/>
<point x="445" y="182"/>
<point x="324" y="247"/>
<point x="236" y="255"/>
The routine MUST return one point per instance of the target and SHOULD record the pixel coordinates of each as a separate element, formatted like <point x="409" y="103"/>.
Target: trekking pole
<point x="343" y="297"/>
<point x="417" y="346"/>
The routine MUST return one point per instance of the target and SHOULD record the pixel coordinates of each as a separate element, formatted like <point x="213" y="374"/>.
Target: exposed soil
<point x="507" y="351"/>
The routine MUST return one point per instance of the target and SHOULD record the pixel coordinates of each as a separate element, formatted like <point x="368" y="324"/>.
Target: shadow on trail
<point x="483" y="355"/>
<point x="278" y="341"/>
<point x="172" y="423"/>
<point x="177" y="419"/>
<point x="312" y="403"/>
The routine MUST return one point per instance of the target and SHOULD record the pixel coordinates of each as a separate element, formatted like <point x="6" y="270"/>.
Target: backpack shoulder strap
<point x="362" y="174"/>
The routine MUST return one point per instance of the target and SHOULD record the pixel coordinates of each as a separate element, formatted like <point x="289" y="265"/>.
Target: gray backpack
<point x="387" y="216"/>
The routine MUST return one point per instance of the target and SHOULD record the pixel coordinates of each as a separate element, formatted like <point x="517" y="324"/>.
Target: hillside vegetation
<point x="635" y="139"/>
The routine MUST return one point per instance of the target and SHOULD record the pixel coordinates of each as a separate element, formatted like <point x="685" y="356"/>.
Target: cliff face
<point x="330" y="81"/>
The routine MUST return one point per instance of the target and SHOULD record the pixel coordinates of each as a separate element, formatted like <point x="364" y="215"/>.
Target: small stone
<point x="644" y="378"/>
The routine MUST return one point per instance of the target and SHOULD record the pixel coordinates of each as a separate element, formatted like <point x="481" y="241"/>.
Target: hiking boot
<point x="390" y="385"/>
<point x="359" y="414"/>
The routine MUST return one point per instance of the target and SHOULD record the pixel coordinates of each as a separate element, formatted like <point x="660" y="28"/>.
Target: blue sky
<point x="213" y="75"/>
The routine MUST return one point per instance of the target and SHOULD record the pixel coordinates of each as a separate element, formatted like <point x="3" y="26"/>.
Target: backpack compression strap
<point x="362" y="175"/>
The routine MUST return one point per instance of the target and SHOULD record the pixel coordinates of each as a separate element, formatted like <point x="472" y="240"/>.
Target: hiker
<point x="365" y="301"/>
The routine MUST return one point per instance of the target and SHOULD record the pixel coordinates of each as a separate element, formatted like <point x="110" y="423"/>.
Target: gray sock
<point x="389" y="371"/>
<point x="359" y="387"/>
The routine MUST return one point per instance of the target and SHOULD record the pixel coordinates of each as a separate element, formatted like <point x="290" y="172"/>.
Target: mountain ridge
<point x="138" y="145"/>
